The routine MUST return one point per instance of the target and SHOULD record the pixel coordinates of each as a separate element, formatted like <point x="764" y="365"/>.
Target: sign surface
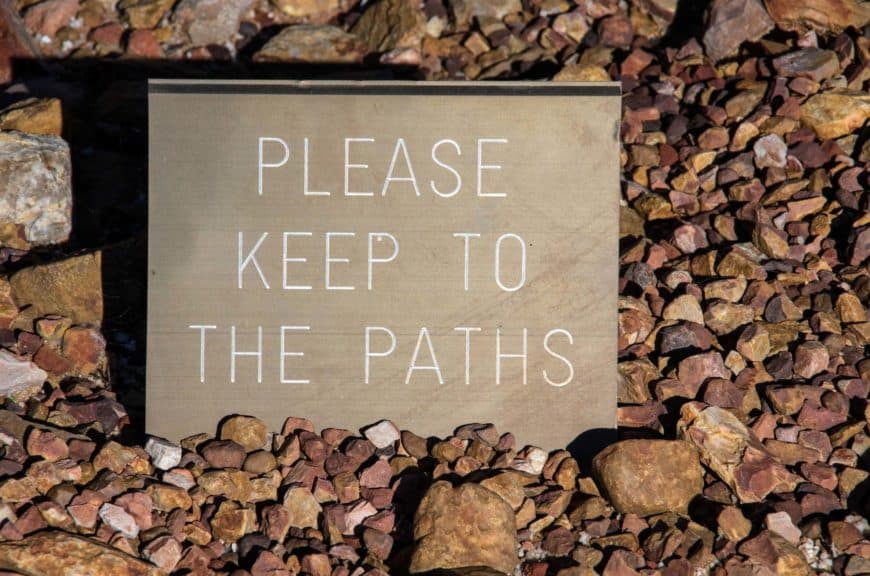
<point x="434" y="254"/>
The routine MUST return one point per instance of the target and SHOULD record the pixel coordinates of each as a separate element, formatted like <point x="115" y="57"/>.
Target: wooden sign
<point x="431" y="253"/>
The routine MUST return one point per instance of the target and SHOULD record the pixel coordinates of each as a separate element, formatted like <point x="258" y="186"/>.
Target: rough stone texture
<point x="390" y="24"/>
<point x="820" y="15"/>
<point x="463" y="527"/>
<point x="249" y="432"/>
<point x="734" y="453"/>
<point x="836" y="113"/>
<point x="20" y="378"/>
<point x="72" y="288"/>
<point x="35" y="189"/>
<point x="57" y="553"/>
<point x="668" y="471"/>
<point x="733" y="22"/>
<point x="464" y="11"/>
<point x="34" y="116"/>
<point x="209" y="21"/>
<point x="313" y="44"/>
<point x="313" y="11"/>
<point x="145" y="13"/>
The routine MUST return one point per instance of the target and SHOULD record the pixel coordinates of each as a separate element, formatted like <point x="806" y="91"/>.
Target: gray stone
<point x="19" y="377"/>
<point x="733" y="22"/>
<point x="164" y="454"/>
<point x="35" y="190"/>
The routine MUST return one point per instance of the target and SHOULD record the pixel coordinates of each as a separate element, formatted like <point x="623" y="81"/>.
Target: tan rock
<point x="463" y="527"/>
<point x="303" y="507"/>
<point x="508" y="486"/>
<point x="232" y="521"/>
<point x="685" y="307"/>
<point x="34" y="116"/>
<point x="314" y="11"/>
<point x="71" y="288"/>
<point x="734" y="453"/>
<point x="57" y="553"/>
<point x="836" y="113"/>
<point x="820" y="15"/>
<point x="145" y="13"/>
<point x="233" y="484"/>
<point x="312" y="44"/>
<point x="249" y="432"/>
<point x="647" y="477"/>
<point x="389" y="24"/>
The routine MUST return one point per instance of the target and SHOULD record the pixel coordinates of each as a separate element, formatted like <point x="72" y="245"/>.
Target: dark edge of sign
<point x="494" y="89"/>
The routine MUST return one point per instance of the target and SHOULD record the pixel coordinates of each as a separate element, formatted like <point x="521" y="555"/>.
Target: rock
<point x="463" y="527"/>
<point x="695" y="370"/>
<point x="819" y="15"/>
<point x="508" y="486"/>
<point x="248" y="432"/>
<point x="812" y="63"/>
<point x="46" y="18"/>
<point x="47" y="445"/>
<point x="646" y="477"/>
<point x="770" y="151"/>
<point x="733" y="524"/>
<point x="685" y="307"/>
<point x="776" y="554"/>
<point x="384" y="434"/>
<point x="389" y="24"/>
<point x="734" y="453"/>
<point x="119" y="520"/>
<point x="313" y="11"/>
<point x="210" y="21"/>
<point x="164" y="552"/>
<point x="733" y="22"/>
<point x="57" y="553"/>
<point x="810" y="358"/>
<point x="143" y="44"/>
<point x="145" y="13"/>
<point x="724" y="317"/>
<point x="232" y="521"/>
<point x="85" y="348"/>
<point x="780" y="523"/>
<point x="312" y="44"/>
<point x="20" y="379"/>
<point x="836" y="113"/>
<point x="72" y="288"/>
<point x="164" y="454"/>
<point x="34" y="116"/>
<point x="35" y="190"/>
<point x="304" y="509"/>
<point x="465" y="11"/>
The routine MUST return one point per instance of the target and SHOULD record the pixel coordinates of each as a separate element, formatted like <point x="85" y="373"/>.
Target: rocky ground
<point x="743" y="327"/>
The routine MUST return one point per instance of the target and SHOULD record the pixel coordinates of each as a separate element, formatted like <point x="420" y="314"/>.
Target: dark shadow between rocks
<point x="588" y="444"/>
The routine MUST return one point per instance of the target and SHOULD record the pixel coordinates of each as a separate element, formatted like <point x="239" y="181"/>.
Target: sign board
<point x="431" y="253"/>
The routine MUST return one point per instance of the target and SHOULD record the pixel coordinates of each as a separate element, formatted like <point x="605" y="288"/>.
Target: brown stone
<point x="303" y="508"/>
<point x="463" y="527"/>
<point x="72" y="288"/>
<point x="145" y="13"/>
<point x="812" y="63"/>
<point x="835" y="113"/>
<point x="57" y="553"/>
<point x="309" y="43"/>
<point x="33" y="115"/>
<point x="647" y="477"/>
<point x="389" y="24"/>
<point x="734" y="453"/>
<point x="733" y="22"/>
<point x="820" y="15"/>
<point x="249" y="432"/>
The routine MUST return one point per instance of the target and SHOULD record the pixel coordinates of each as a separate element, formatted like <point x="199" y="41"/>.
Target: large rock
<point x="313" y="44"/>
<point x="19" y="377"/>
<point x="389" y="24"/>
<point x="734" y="453"/>
<point x="56" y="553"/>
<point x="34" y="116"/>
<point x="647" y="477"/>
<point x="733" y="22"/>
<point x="465" y="11"/>
<point x="35" y="190"/>
<point x="820" y="15"/>
<point x="71" y="288"/>
<point x="314" y="11"/>
<point x="210" y="21"/>
<point x="836" y="113"/>
<point x="468" y="527"/>
<point x="145" y="13"/>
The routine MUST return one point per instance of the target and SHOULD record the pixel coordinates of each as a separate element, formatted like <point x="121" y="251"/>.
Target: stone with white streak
<point x="164" y="454"/>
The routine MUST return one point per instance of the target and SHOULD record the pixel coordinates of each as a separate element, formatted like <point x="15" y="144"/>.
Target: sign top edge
<point x="175" y="86"/>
